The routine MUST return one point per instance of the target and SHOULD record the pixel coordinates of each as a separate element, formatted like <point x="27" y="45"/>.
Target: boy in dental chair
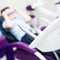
<point x="13" y="18"/>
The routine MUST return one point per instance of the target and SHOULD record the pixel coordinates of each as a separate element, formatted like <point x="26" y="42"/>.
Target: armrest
<point x="21" y="45"/>
<point x="3" y="42"/>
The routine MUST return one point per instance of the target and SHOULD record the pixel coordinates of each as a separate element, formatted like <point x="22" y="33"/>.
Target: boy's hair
<point x="4" y="9"/>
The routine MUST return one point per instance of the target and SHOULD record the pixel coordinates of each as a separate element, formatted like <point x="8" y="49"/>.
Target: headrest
<point x="1" y="19"/>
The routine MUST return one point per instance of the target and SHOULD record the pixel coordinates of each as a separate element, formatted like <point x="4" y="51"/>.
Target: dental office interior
<point x="45" y="22"/>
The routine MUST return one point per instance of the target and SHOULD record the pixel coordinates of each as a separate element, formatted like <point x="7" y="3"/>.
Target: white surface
<point x="49" y="39"/>
<point x="56" y="55"/>
<point x="3" y="58"/>
<point x="40" y="56"/>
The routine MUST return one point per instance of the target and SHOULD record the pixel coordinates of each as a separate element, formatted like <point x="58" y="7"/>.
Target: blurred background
<point x="22" y="4"/>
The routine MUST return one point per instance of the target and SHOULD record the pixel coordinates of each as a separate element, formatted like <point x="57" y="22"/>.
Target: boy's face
<point x="10" y="13"/>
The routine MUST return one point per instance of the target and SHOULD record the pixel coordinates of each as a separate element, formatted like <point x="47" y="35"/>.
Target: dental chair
<point x="18" y="50"/>
<point x="44" y="42"/>
<point x="47" y="41"/>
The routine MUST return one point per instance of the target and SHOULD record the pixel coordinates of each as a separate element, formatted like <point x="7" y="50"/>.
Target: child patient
<point x="13" y="18"/>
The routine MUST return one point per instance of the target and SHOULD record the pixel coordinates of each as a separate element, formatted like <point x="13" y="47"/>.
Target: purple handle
<point x="3" y="42"/>
<point x="29" y="8"/>
<point x="22" y="46"/>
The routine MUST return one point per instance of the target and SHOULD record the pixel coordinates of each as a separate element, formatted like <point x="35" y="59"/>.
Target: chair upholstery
<point x="3" y="44"/>
<point x="23" y="52"/>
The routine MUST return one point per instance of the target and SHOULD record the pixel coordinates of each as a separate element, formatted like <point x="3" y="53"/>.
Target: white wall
<point x="21" y="4"/>
<point x="49" y="4"/>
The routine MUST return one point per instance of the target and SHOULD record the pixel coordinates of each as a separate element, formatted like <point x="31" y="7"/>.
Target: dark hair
<point x="4" y="9"/>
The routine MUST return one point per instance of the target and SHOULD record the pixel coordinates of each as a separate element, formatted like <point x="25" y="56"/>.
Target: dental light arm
<point x="44" y="10"/>
<point x="47" y="12"/>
